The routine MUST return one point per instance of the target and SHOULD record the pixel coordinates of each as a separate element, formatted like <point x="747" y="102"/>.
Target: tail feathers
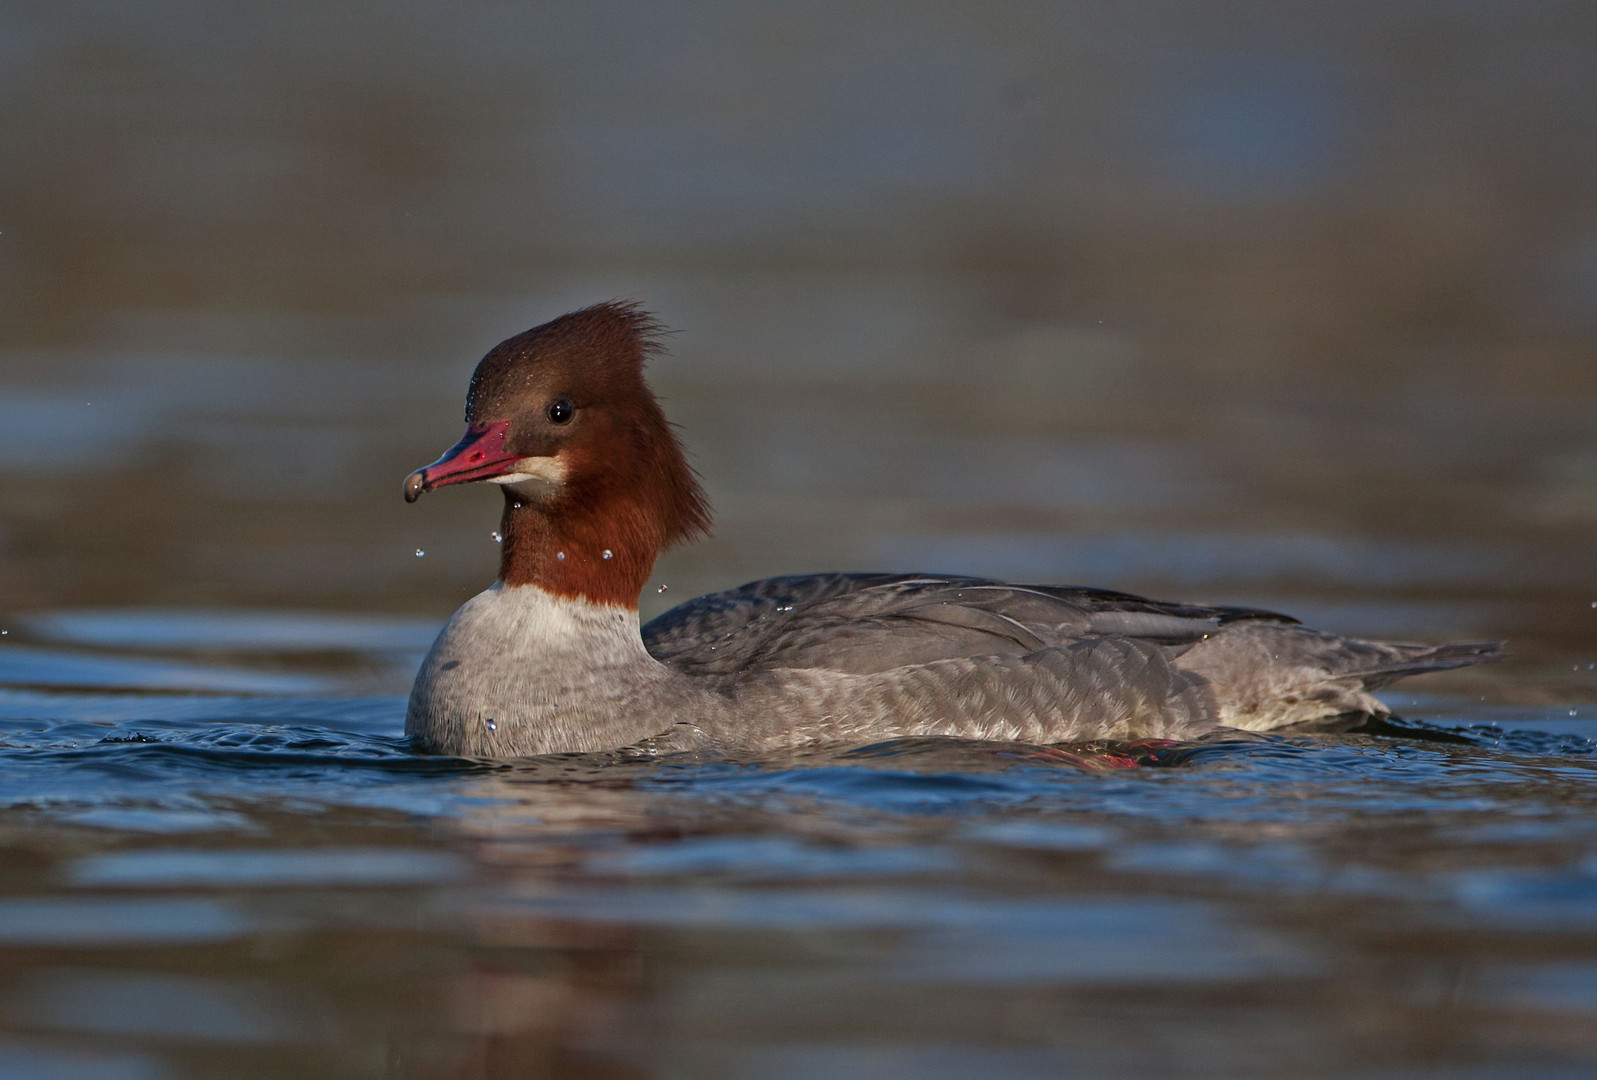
<point x="1405" y="660"/>
<point x="1268" y="676"/>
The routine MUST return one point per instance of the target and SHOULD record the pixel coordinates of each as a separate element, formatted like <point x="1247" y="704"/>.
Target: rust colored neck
<point x="565" y="554"/>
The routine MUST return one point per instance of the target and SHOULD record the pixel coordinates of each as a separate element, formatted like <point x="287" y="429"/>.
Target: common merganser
<point x="551" y="658"/>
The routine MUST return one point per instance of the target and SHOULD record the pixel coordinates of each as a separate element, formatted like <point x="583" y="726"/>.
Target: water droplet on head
<point x="420" y="553"/>
<point x="560" y="556"/>
<point x="496" y="537"/>
<point x="491" y="725"/>
<point x="608" y="554"/>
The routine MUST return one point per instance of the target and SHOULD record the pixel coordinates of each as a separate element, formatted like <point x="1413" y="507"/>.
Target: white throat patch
<point x="533" y="475"/>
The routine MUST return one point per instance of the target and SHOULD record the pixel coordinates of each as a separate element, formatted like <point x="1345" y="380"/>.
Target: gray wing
<point x="1103" y="688"/>
<point x="1111" y="652"/>
<point x="865" y="623"/>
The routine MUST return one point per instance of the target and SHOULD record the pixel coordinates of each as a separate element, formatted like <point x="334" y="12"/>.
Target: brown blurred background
<point x="1288" y="303"/>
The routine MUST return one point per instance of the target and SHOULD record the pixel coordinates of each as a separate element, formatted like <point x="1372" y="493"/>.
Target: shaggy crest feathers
<point x="612" y="341"/>
<point x="628" y="490"/>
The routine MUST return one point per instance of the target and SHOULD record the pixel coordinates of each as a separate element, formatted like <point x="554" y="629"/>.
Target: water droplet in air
<point x="607" y="553"/>
<point x="560" y="556"/>
<point x="1571" y="712"/>
<point x="420" y="553"/>
<point x="662" y="588"/>
<point x="491" y="725"/>
<point x="496" y="536"/>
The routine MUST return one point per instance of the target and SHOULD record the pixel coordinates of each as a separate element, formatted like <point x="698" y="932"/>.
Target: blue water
<point x="1284" y="305"/>
<point x="202" y="880"/>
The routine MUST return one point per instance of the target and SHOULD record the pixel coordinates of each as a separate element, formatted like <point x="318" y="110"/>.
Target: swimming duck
<point x="551" y="658"/>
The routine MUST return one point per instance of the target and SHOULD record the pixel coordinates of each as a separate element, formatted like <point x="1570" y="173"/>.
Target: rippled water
<point x="1283" y="304"/>
<point x="210" y="869"/>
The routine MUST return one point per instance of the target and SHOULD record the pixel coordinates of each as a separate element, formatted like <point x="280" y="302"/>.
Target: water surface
<point x="206" y="876"/>
<point x="1277" y="304"/>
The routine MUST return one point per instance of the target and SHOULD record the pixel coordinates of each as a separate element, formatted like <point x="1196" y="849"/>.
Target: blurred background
<point x="1278" y="303"/>
<point x="1286" y="303"/>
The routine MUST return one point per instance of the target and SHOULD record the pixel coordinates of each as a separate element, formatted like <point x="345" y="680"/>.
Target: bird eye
<point x="561" y="410"/>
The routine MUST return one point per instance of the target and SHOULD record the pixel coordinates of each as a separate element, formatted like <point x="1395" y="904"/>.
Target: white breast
<point x="521" y="671"/>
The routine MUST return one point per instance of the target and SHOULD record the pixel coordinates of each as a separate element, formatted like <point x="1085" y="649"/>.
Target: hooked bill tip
<point x="415" y="484"/>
